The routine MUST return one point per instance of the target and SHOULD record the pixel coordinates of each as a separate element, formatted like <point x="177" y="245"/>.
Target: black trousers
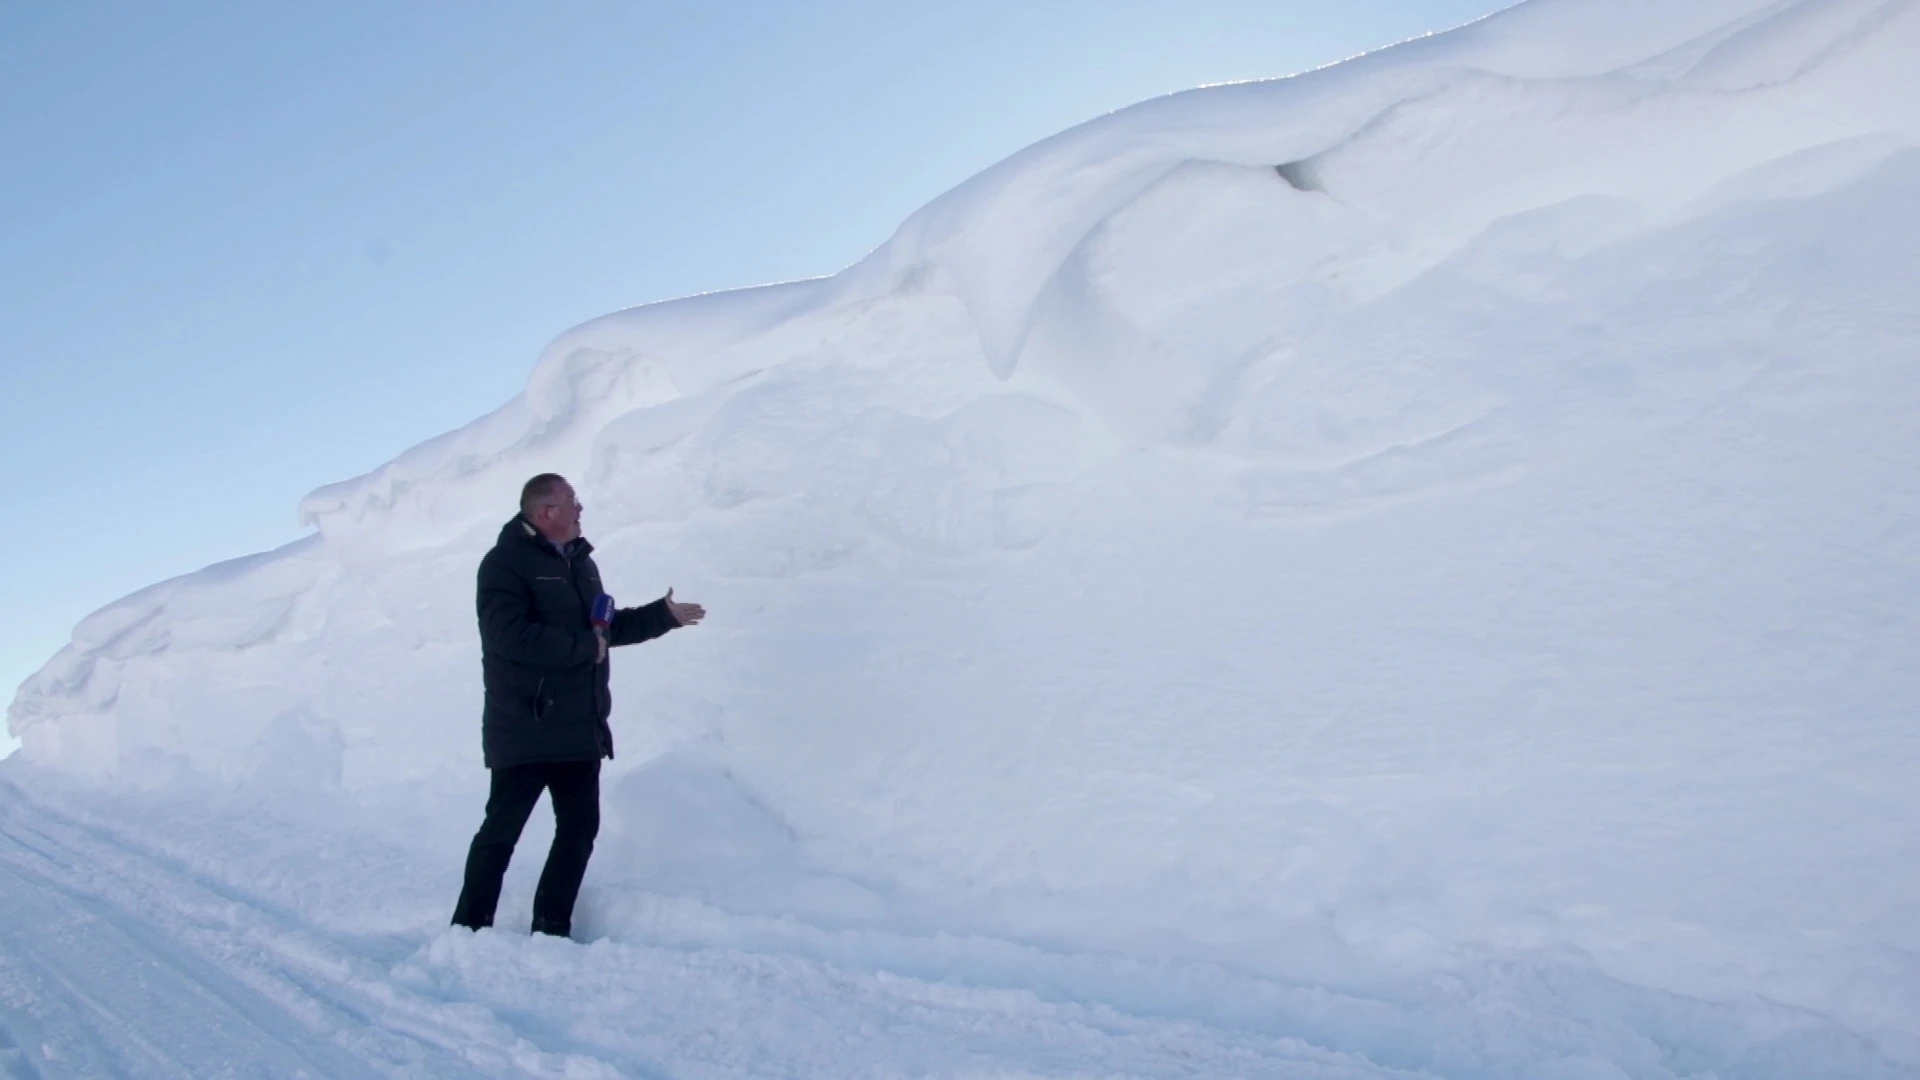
<point x="575" y="790"/>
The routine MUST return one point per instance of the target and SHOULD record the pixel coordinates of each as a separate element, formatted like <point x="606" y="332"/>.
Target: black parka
<point x="548" y="698"/>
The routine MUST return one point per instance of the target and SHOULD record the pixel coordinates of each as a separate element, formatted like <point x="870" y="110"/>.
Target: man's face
<point x="558" y="515"/>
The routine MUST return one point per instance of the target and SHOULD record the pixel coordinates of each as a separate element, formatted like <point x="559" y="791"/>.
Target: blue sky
<point x="250" y="249"/>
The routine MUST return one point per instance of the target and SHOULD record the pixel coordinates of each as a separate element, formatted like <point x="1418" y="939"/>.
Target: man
<point x="546" y="673"/>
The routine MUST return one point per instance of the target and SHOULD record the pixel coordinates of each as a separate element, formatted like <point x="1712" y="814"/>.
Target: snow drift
<point x="1458" y="503"/>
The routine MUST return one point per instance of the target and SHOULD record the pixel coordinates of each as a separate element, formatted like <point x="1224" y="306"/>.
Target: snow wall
<point x="1459" y="501"/>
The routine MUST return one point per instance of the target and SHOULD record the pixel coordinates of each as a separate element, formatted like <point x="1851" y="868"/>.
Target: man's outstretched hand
<point x="684" y="614"/>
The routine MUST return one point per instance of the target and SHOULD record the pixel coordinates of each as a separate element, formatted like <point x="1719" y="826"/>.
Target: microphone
<point x="603" y="619"/>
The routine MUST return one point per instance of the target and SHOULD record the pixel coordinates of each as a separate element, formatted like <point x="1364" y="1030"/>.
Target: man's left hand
<point x="684" y="614"/>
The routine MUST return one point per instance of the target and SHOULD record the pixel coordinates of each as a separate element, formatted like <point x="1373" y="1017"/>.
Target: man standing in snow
<point x="544" y="662"/>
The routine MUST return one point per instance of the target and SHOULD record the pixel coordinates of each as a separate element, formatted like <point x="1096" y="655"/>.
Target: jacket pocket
<point x="540" y="701"/>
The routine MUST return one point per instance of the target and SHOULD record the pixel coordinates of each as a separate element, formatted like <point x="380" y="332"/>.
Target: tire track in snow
<point x="153" y="971"/>
<point x="98" y="994"/>
<point x="278" y="997"/>
<point x="144" y="946"/>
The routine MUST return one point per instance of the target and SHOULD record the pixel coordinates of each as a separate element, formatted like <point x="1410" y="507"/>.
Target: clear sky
<point x="249" y="249"/>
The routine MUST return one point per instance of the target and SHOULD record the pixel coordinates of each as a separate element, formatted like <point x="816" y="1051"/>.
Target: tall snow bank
<point x="1461" y="499"/>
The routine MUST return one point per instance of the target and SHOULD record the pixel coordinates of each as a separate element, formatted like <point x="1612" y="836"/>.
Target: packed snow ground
<point x="1405" y="570"/>
<point x="207" y="940"/>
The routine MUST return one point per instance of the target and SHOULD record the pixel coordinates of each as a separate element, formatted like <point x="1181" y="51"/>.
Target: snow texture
<point x="1404" y="570"/>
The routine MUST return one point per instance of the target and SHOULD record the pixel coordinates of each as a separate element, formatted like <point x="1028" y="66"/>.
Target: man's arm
<point x="633" y="625"/>
<point x="506" y="628"/>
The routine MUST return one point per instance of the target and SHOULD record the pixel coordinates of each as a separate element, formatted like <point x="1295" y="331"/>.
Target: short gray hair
<point x="538" y="488"/>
